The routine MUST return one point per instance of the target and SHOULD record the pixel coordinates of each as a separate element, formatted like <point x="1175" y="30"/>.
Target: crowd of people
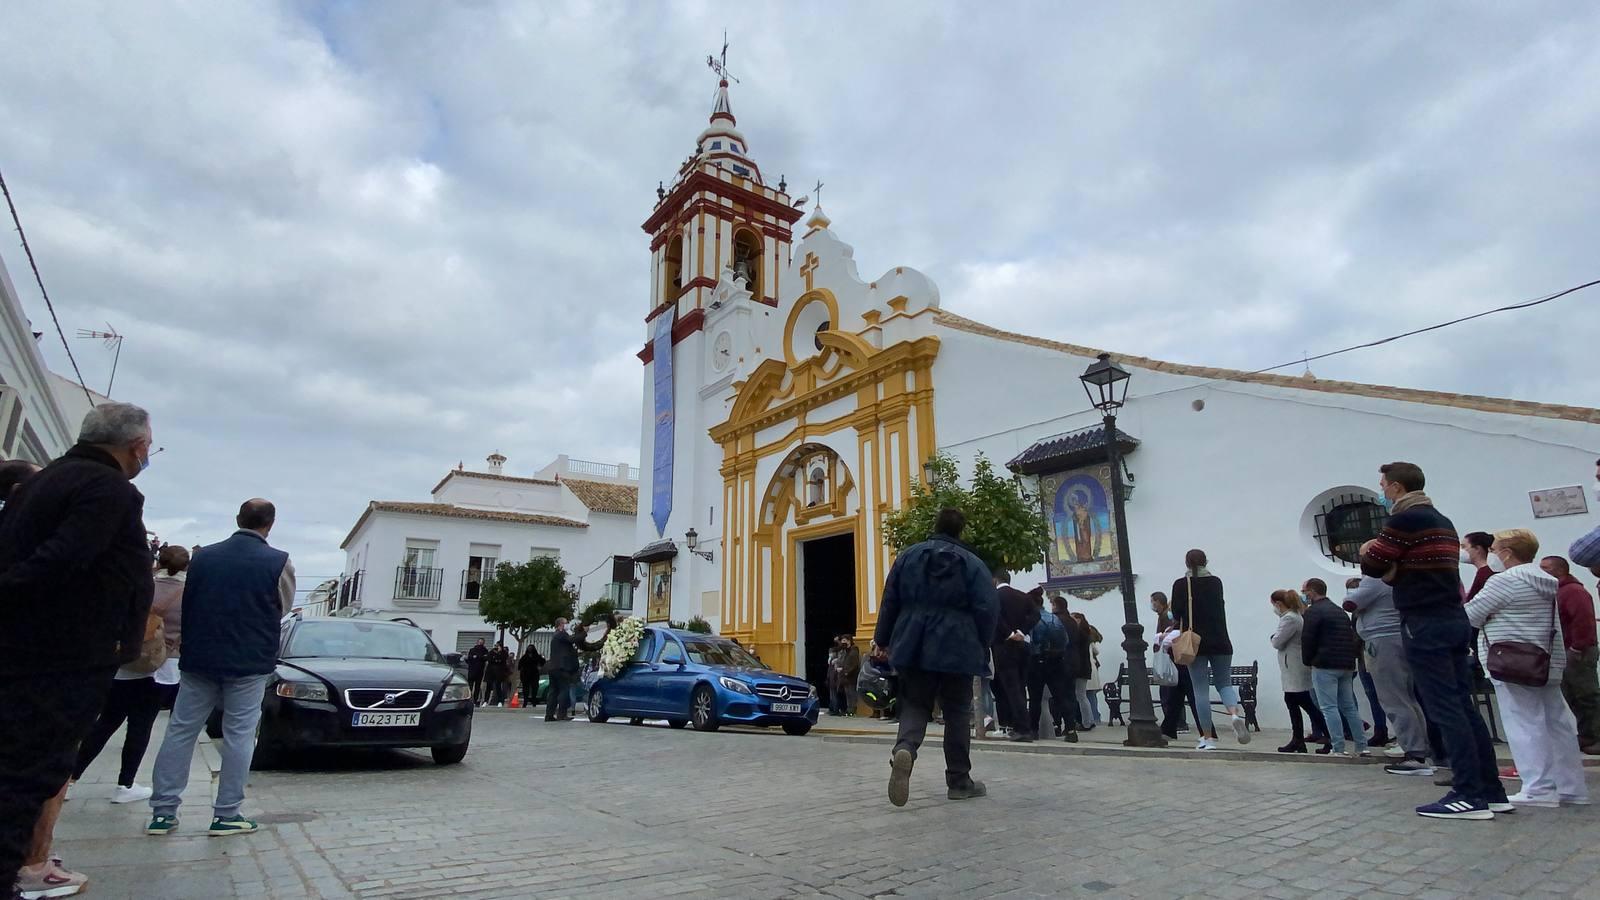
<point x="1408" y="630"/>
<point x="97" y="636"/>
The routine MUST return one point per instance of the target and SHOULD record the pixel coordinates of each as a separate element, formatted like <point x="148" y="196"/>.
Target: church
<point x="790" y="402"/>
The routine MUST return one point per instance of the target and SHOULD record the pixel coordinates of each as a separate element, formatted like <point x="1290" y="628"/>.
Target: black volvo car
<point x="363" y="683"/>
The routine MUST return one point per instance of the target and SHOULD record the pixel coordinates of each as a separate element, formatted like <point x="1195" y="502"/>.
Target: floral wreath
<point x="621" y="643"/>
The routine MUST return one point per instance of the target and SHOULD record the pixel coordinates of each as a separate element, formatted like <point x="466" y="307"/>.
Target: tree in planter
<point x="524" y="597"/>
<point x="1006" y="527"/>
<point x="698" y="625"/>
<point x="596" y="612"/>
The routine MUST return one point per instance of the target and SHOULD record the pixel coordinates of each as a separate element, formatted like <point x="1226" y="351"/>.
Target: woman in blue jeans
<point x="1197" y="605"/>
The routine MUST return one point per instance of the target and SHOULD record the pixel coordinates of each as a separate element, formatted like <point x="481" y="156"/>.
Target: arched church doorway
<point x="827" y="601"/>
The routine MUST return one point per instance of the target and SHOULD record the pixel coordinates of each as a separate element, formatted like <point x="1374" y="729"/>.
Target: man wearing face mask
<point x="75" y="589"/>
<point x="1585" y="551"/>
<point x="1417" y="554"/>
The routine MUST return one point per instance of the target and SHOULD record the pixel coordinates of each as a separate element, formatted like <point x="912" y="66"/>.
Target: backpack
<point x="1049" y="636"/>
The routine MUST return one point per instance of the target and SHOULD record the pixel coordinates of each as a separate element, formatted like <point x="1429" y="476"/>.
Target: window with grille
<point x="1345" y="523"/>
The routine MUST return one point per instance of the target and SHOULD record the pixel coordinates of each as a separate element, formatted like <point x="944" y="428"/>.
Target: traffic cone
<point x="516" y="700"/>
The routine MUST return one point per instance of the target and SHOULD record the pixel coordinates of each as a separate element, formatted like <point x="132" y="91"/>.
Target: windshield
<point x="719" y="653"/>
<point x="362" y="640"/>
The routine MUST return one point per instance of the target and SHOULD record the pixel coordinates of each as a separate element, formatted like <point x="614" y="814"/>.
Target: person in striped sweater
<point x="1519" y="604"/>
<point x="1417" y="553"/>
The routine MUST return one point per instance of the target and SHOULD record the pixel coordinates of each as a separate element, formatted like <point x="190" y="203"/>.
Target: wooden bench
<point x="1245" y="678"/>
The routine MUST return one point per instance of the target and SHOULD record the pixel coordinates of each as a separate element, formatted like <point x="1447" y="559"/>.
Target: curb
<point x="1059" y="748"/>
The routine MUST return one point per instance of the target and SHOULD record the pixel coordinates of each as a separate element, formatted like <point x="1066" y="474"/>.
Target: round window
<point x="1345" y="521"/>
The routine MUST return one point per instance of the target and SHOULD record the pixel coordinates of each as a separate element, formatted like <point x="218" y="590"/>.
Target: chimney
<point x="496" y="463"/>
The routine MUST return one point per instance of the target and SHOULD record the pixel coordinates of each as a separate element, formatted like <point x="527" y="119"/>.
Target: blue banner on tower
<point x="661" y="473"/>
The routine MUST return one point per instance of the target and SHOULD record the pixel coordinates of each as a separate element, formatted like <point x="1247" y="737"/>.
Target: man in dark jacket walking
<point x="937" y="617"/>
<point x="563" y="667"/>
<point x="1418" y="554"/>
<point x="75" y="588"/>
<point x="234" y="602"/>
<point x="1328" y="645"/>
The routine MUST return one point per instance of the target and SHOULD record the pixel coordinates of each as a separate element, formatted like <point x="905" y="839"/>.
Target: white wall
<point x="379" y="548"/>
<point x="22" y="368"/>
<point x="1235" y="479"/>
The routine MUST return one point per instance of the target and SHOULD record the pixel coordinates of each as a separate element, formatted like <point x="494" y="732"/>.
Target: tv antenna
<point x="113" y="341"/>
<point x="720" y="66"/>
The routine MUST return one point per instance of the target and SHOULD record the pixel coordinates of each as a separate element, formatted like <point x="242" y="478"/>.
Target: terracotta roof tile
<point x="451" y="511"/>
<point x="1379" y="391"/>
<point x="605" y="496"/>
<point x="453" y="473"/>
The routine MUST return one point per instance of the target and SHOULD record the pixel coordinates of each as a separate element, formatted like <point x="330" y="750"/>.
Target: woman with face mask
<point x="1293" y="673"/>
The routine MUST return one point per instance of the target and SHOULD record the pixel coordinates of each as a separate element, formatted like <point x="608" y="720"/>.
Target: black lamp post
<point x="1106" y="383"/>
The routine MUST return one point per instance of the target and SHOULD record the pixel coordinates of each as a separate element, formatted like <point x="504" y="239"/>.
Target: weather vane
<point x="720" y="66"/>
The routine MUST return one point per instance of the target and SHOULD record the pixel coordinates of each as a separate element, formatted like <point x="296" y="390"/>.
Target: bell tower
<point x="718" y="216"/>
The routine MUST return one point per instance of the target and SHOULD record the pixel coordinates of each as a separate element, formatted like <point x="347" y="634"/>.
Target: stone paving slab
<point x="579" y="810"/>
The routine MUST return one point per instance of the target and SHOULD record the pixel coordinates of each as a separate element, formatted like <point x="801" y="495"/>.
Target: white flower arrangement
<point x="621" y="643"/>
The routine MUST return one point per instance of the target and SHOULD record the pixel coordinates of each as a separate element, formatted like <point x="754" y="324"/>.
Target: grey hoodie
<point x="1376" y="617"/>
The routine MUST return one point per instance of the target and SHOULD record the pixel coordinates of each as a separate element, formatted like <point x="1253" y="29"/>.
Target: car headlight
<point x="302" y="690"/>
<point x="456" y="691"/>
<point x="735" y="685"/>
<point x="813" y="692"/>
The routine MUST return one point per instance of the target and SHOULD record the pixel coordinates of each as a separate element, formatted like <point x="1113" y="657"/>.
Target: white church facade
<point x="790" y="402"/>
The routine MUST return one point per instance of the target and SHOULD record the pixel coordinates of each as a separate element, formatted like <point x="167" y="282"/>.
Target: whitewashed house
<point x="39" y="411"/>
<point x="428" y="561"/>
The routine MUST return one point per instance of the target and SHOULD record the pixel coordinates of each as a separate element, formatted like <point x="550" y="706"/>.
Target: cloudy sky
<point x="353" y="243"/>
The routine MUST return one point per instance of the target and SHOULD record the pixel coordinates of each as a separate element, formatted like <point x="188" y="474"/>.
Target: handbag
<point x="153" y="650"/>
<point x="1164" y="669"/>
<point x="1519" y="662"/>
<point x="1187" y="647"/>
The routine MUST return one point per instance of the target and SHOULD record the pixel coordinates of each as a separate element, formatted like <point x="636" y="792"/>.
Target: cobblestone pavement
<point x="581" y="810"/>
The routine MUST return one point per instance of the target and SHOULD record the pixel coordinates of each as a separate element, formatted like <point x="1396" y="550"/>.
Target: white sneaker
<point x="1206" y="744"/>
<point x="1394" y="751"/>
<point x="131" y="794"/>
<point x="1241" y="729"/>
<point x="1521" y="798"/>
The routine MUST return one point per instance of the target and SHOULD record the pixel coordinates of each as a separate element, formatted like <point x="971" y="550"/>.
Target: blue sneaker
<point x="161" y="825"/>
<point x="1455" y="806"/>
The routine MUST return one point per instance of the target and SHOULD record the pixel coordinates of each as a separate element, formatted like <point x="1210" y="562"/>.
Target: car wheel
<point x="798" y="729"/>
<point x="597" y="706"/>
<point x="703" y="709"/>
<point x="677" y="723"/>
<point x="267" y="754"/>
<point x="450" y="754"/>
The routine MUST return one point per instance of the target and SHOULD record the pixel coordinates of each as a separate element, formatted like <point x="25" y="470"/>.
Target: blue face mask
<point x="144" y="463"/>
<point x="1386" y="503"/>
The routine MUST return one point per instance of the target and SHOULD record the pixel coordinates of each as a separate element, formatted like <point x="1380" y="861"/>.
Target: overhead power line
<point x="17" y="220"/>
<point x="1395" y="337"/>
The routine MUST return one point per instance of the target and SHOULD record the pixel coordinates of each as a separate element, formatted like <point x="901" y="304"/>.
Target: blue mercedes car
<point x="691" y="678"/>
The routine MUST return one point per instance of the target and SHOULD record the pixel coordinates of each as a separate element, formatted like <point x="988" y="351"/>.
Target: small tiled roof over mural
<point x="605" y="496"/>
<point x="1065" y="451"/>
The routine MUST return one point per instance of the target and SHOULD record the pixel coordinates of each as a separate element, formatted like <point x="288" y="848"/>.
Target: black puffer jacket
<point x="1328" y="640"/>
<point x="75" y="570"/>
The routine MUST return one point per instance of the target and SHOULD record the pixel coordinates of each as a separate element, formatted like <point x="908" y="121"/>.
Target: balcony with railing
<point x="417" y="584"/>
<point x="472" y="584"/>
<point x="350" y="590"/>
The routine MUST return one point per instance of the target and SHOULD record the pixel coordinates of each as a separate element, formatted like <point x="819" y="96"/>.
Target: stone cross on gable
<point x="808" y="269"/>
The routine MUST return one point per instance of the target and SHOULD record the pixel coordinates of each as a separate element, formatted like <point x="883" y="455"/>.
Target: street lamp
<point x="1106" y="383"/>
<point x="691" y="539"/>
